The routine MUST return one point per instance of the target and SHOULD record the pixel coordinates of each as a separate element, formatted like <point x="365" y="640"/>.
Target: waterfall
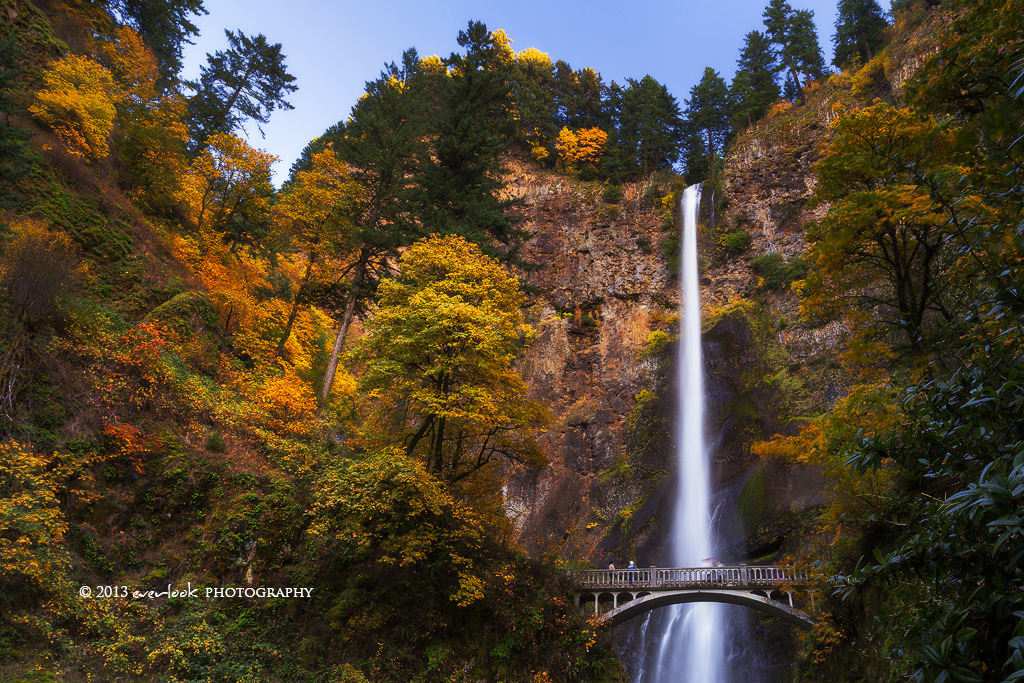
<point x="689" y="648"/>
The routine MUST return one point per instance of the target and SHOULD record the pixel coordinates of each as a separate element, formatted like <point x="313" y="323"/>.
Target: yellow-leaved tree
<point x="32" y="525"/>
<point x="227" y="193"/>
<point x="438" y="360"/>
<point x="388" y="509"/>
<point x="150" y="134"/>
<point x="318" y="214"/>
<point x="77" y="103"/>
<point x="582" y="148"/>
<point x="884" y="255"/>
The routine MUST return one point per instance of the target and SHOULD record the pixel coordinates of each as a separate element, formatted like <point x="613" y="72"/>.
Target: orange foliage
<point x="580" y="148"/>
<point x="130" y="443"/>
<point x="151" y="123"/>
<point x="133" y="67"/>
<point x="229" y="177"/>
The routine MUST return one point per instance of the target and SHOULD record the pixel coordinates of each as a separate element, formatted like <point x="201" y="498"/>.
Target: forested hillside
<point x="432" y="370"/>
<point x="888" y="256"/>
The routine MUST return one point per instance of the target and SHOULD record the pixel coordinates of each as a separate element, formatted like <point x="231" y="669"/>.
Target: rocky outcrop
<point x="602" y="285"/>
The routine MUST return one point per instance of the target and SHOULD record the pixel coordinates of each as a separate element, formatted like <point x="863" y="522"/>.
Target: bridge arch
<point x="652" y="601"/>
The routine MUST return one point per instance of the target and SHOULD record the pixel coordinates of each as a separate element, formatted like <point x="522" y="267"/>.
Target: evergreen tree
<point x="164" y="24"/>
<point x="384" y="144"/>
<point x="617" y="163"/>
<point x="533" y="98"/>
<point x="16" y="158"/>
<point x="650" y="124"/>
<point x="860" y="26"/>
<point x="707" y="118"/>
<point x="753" y="89"/>
<point x="461" y="178"/>
<point x="332" y="136"/>
<point x="579" y="98"/>
<point x="248" y="81"/>
<point x="611" y="108"/>
<point x="796" y="42"/>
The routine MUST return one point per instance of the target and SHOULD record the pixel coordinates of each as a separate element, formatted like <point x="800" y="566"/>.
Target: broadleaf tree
<point x="316" y="214"/>
<point x="438" y="358"/>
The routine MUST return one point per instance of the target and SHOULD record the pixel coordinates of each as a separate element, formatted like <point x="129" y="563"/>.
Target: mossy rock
<point x="187" y="313"/>
<point x="752" y="501"/>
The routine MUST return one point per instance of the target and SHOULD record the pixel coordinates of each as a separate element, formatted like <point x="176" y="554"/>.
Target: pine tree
<point x="860" y="26"/>
<point x="461" y="178"/>
<point x="384" y="145"/>
<point x="707" y="117"/>
<point x="796" y="40"/>
<point x="650" y="124"/>
<point x="579" y="97"/>
<point x="248" y="81"/>
<point x="753" y="88"/>
<point x="533" y="98"/>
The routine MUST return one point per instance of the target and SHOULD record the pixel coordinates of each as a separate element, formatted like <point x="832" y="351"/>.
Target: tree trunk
<point x="799" y="88"/>
<point x="346" y="321"/>
<point x="711" y="160"/>
<point x="867" y="48"/>
<point x="295" y="306"/>
<point x="796" y="79"/>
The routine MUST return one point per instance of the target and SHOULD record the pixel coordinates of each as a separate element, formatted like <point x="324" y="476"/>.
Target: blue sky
<point x="333" y="48"/>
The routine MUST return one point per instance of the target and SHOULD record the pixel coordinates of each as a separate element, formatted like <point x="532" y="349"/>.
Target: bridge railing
<point x="613" y="578"/>
<point x="688" y="577"/>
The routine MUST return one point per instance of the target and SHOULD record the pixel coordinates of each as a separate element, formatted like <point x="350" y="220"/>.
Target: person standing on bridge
<point x="632" y="565"/>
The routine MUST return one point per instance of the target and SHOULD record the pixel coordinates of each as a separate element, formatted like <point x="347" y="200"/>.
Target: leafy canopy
<point x="438" y="356"/>
<point x="77" y="103"/>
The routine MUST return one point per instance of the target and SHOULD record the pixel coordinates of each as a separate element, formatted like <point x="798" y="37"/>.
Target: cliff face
<point x="603" y="286"/>
<point x="604" y="290"/>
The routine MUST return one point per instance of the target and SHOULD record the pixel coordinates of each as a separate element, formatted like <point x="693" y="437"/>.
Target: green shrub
<point x="612" y="194"/>
<point x="215" y="442"/>
<point x="737" y="242"/>
<point x="778" y="272"/>
<point x="654" y="191"/>
<point x="670" y="247"/>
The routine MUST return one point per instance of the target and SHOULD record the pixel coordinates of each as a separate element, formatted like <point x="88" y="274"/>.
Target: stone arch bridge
<point x="617" y="595"/>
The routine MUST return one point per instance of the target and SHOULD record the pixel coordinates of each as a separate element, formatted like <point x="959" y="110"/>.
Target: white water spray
<point x="690" y="649"/>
